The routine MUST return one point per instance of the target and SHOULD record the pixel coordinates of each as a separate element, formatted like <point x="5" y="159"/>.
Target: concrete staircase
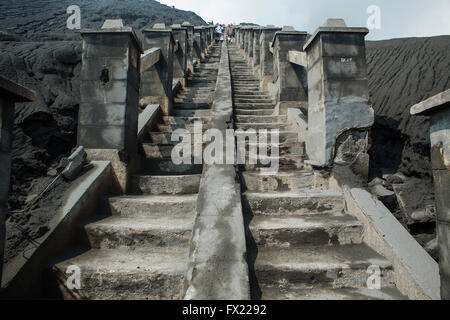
<point x="300" y="242"/>
<point x="138" y="249"/>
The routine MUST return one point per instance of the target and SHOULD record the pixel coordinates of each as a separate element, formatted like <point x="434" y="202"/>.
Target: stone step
<point x="165" y="166"/>
<point x="144" y="273"/>
<point x="171" y="185"/>
<point x="192" y="113"/>
<point x="157" y="150"/>
<point x="259" y="126"/>
<point x="143" y="206"/>
<point x="185" y="120"/>
<point x="253" y="106"/>
<point x="254" y="100"/>
<point x="284" y="136"/>
<point x="266" y="112"/>
<point x="243" y="92"/>
<point x="314" y="230"/>
<point x="332" y="267"/>
<point x="282" y="181"/>
<point x="169" y="128"/>
<point x="297" y="202"/>
<point x="260" y="119"/>
<point x="284" y="149"/>
<point x="318" y="292"/>
<point x="285" y="162"/>
<point x="162" y="230"/>
<point x="201" y="100"/>
<point x="192" y="105"/>
<point x="238" y="95"/>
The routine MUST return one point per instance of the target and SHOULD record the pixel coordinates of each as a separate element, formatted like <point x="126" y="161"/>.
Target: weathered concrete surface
<point x="291" y="79"/>
<point x="23" y="277"/>
<point x="217" y="265"/>
<point x="156" y="82"/>
<point x="109" y="91"/>
<point x="298" y="122"/>
<point x="149" y="58"/>
<point x="337" y="88"/>
<point x="10" y="93"/>
<point x="190" y="46"/>
<point x="180" y="34"/>
<point x="266" y="57"/>
<point x="438" y="107"/>
<point x="147" y="119"/>
<point x="416" y="273"/>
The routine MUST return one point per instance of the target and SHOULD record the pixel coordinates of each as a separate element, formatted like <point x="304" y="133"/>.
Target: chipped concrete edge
<point x="217" y="267"/>
<point x="147" y="118"/>
<point x="25" y="274"/>
<point x="416" y="273"/>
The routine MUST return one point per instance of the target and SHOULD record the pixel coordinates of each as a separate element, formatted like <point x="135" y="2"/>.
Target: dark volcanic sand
<point x="403" y="72"/>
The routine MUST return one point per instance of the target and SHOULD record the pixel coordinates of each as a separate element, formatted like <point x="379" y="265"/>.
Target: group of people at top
<point x="222" y="30"/>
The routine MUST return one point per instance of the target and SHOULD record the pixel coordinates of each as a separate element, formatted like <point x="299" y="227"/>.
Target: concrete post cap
<point x="334" y="26"/>
<point x="159" y="26"/>
<point x="112" y="24"/>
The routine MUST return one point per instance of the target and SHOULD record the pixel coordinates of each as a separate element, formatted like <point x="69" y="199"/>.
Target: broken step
<point x="110" y="274"/>
<point x="319" y="229"/>
<point x="297" y="202"/>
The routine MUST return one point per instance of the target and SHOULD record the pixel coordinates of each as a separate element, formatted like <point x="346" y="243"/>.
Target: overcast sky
<point x="399" y="18"/>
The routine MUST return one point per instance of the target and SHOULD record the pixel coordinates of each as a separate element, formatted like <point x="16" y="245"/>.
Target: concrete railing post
<point x="438" y="108"/>
<point x="189" y="46"/>
<point x="109" y="96"/>
<point x="157" y="81"/>
<point x="251" y="36"/>
<point x="245" y="44"/>
<point x="198" y="45"/>
<point x="256" y="50"/>
<point x="10" y="93"/>
<point x="338" y="93"/>
<point x="180" y="34"/>
<point x="266" y="57"/>
<point x="291" y="88"/>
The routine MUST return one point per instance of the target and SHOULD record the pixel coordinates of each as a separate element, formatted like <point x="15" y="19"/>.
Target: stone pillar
<point x="338" y="91"/>
<point x="238" y="36"/>
<point x="438" y="108"/>
<point x="189" y="46"/>
<point x="245" y="44"/>
<point x="251" y="35"/>
<point x="157" y="80"/>
<point x="10" y="93"/>
<point x="180" y="56"/>
<point x="266" y="57"/>
<point x="109" y="96"/>
<point x="198" y="45"/>
<point x="204" y="32"/>
<point x="291" y="84"/>
<point x="256" y="50"/>
<point x="109" y="92"/>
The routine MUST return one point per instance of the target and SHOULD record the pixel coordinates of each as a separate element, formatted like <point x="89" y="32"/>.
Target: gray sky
<point x="399" y="18"/>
